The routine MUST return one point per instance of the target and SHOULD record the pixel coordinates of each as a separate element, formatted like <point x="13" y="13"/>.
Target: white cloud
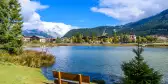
<point x="51" y="28"/>
<point x="32" y="19"/>
<point x="130" y="10"/>
<point x="29" y="9"/>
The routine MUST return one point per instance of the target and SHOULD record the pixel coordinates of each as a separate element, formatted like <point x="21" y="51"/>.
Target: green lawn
<point x="15" y="74"/>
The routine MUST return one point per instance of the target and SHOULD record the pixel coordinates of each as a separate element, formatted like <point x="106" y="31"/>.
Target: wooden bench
<point x="68" y="78"/>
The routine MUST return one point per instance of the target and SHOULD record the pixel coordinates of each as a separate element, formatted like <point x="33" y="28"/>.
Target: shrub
<point x="29" y="58"/>
<point x="35" y="41"/>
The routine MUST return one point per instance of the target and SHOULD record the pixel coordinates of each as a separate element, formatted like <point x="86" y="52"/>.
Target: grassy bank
<point x="156" y="45"/>
<point x="74" y="44"/>
<point x="16" y="74"/>
<point x="24" y="68"/>
<point x="85" y="44"/>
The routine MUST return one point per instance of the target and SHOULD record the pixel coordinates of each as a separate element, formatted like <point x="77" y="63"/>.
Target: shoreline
<point x="154" y="45"/>
<point x="26" y="65"/>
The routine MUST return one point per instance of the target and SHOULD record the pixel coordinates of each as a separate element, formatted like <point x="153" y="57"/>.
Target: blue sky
<point x="75" y="12"/>
<point x="60" y="16"/>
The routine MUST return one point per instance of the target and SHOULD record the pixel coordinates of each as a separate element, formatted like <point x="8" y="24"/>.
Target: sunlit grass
<point x="16" y="74"/>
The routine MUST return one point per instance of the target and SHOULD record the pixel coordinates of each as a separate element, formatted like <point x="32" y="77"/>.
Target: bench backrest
<point x="71" y="77"/>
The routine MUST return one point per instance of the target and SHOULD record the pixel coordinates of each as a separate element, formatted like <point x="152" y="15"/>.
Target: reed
<point x="29" y="58"/>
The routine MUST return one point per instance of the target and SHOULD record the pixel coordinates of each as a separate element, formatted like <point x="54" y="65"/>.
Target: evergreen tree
<point x="139" y="40"/>
<point x="93" y="38"/>
<point x="138" y="72"/>
<point x="105" y="40"/>
<point x="4" y="21"/>
<point x="115" y="39"/>
<point x="11" y="24"/>
<point x="144" y="40"/>
<point x="79" y="38"/>
<point x="124" y="38"/>
<point x="74" y="40"/>
<point x="86" y="39"/>
<point x="58" y="40"/>
<point x="151" y="39"/>
<point x="110" y="40"/>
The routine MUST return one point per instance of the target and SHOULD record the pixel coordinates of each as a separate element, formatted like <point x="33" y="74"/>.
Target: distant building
<point x="160" y="37"/>
<point x="133" y="37"/>
<point x="26" y="39"/>
<point x="50" y="40"/>
<point x="38" y="38"/>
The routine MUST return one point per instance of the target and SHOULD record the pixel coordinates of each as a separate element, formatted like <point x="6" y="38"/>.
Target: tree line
<point x="115" y="38"/>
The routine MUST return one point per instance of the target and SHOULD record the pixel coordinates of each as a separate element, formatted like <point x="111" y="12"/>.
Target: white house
<point x="26" y="39"/>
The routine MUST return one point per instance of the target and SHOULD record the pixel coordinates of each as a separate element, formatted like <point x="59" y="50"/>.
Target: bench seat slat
<point x="72" y="77"/>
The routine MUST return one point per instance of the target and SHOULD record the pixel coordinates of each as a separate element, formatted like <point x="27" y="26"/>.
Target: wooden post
<point x="59" y="78"/>
<point x="80" y="79"/>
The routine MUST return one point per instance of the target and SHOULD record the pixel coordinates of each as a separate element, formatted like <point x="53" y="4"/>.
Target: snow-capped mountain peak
<point x="49" y="28"/>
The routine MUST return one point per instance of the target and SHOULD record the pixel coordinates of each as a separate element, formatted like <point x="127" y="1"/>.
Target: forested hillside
<point x="154" y="25"/>
<point x="97" y="31"/>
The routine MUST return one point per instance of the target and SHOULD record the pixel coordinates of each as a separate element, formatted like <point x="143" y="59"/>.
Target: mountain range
<point x="36" y="32"/>
<point x="50" y="31"/>
<point x="154" y="25"/>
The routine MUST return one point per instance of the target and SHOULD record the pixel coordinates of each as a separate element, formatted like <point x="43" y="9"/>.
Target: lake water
<point x="100" y="62"/>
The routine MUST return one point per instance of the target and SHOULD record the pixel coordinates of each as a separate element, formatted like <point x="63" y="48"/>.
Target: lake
<point x="100" y="62"/>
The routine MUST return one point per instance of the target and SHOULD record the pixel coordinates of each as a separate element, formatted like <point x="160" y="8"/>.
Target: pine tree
<point x="4" y="22"/>
<point x="58" y="40"/>
<point x="138" y="72"/>
<point x="11" y="24"/>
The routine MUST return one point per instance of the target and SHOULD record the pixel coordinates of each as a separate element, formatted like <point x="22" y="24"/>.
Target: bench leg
<point x="80" y="78"/>
<point x="59" y="78"/>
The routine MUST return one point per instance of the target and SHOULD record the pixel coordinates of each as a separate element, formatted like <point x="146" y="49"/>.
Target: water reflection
<point x="102" y="62"/>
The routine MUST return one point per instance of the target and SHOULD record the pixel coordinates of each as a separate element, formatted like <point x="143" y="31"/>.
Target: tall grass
<point x="29" y="58"/>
